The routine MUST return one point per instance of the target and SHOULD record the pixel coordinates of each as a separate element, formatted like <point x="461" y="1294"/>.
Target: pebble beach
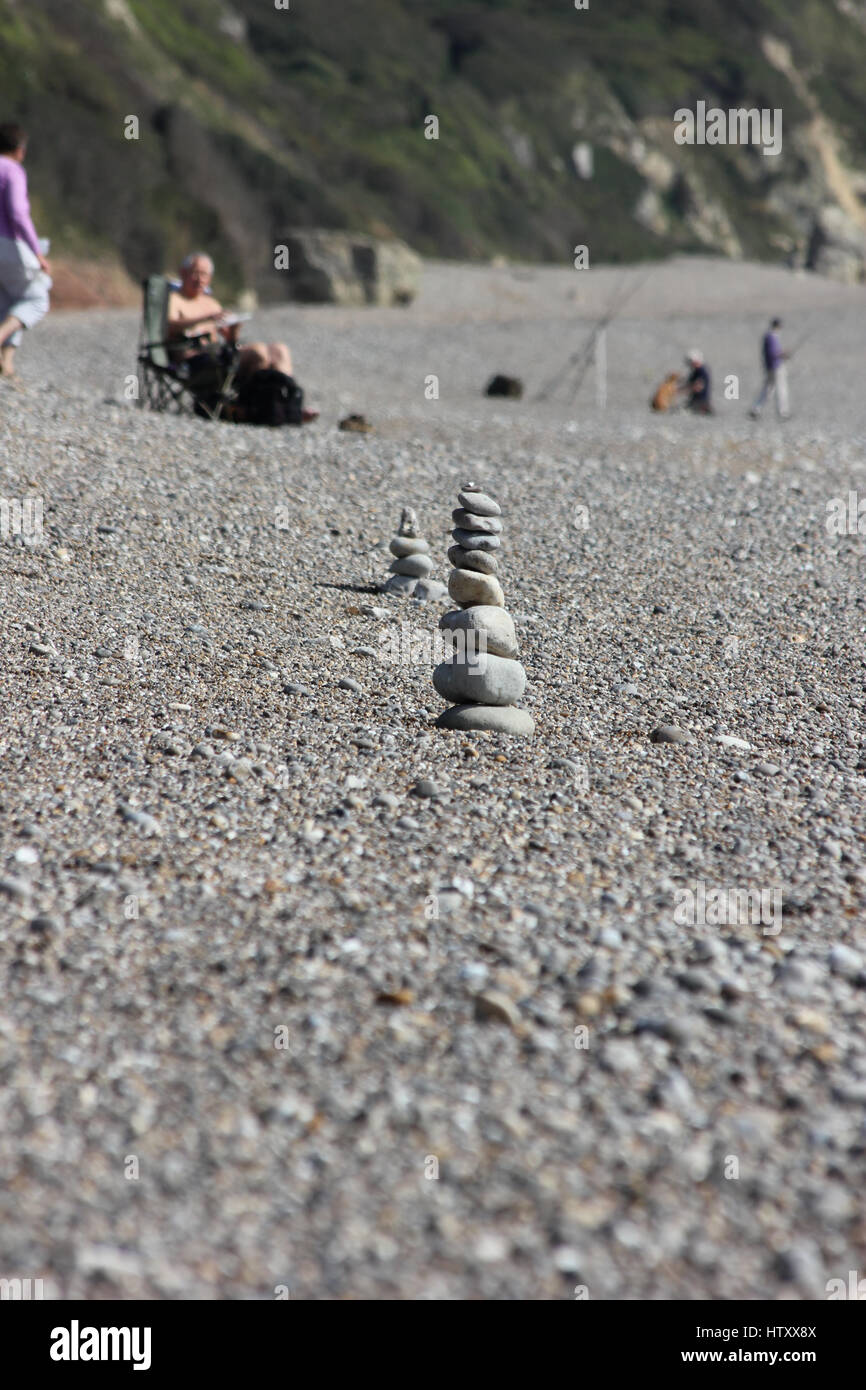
<point x="304" y="996"/>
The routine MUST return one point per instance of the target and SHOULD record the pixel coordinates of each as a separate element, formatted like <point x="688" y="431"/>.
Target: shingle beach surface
<point x="387" y="1011"/>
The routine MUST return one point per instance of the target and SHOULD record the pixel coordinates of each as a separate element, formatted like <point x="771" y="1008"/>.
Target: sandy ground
<point x="271" y="1021"/>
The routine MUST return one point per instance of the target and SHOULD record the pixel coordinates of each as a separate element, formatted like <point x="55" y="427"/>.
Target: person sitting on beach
<point x="197" y="315"/>
<point x="697" y="386"/>
<point x="25" y="275"/>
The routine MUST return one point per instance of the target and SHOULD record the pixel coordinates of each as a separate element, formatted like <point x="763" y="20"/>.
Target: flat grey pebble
<point x="143" y="820"/>
<point x="670" y="733"/>
<point x="478" y="502"/>
<point x="473" y="540"/>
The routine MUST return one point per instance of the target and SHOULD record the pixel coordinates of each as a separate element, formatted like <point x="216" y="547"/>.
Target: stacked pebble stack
<point x="410" y="570"/>
<point x="482" y="675"/>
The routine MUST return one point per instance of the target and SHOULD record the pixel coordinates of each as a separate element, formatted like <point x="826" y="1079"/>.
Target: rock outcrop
<point x="838" y="246"/>
<point x="342" y="268"/>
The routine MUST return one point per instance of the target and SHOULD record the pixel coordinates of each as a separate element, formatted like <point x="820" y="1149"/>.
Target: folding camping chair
<point x="166" y="385"/>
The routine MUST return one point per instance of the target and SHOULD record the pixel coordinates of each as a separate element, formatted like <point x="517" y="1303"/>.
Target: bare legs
<point x="8" y="328"/>
<point x="256" y="357"/>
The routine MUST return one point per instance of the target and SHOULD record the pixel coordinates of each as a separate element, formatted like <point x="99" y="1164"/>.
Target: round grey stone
<point x="44" y="924"/>
<point x="473" y="560"/>
<point x="408" y="545"/>
<point x="478" y="502"/>
<point x="425" y="787"/>
<point x="470" y="522"/>
<point x="487" y="624"/>
<point x="844" y="961"/>
<point x="492" y="680"/>
<point x="497" y="719"/>
<point x="417" y="566"/>
<point x="472" y="540"/>
<point x="468" y="589"/>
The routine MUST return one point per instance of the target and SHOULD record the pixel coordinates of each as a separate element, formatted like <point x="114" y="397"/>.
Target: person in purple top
<point x="775" y="374"/>
<point x="25" y="275"/>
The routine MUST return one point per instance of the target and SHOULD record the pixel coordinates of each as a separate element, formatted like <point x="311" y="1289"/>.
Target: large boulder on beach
<point x="344" y="268"/>
<point x="837" y="247"/>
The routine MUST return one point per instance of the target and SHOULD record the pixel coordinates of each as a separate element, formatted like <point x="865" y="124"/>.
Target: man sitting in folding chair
<point x="189" y="347"/>
<point x="168" y="373"/>
<point x="203" y="336"/>
<point x="195" y="315"/>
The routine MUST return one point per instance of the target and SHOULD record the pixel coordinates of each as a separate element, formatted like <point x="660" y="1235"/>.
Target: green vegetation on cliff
<point x="253" y="119"/>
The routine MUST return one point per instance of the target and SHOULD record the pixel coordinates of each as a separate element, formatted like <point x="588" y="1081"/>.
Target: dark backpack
<point x="269" y="397"/>
<point x="505" y="386"/>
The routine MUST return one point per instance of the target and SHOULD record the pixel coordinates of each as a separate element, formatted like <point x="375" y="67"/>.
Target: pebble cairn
<point x="410" y="570"/>
<point x="482" y="676"/>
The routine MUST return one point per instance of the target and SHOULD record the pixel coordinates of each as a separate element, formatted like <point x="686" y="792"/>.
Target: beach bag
<point x="269" y="397"/>
<point x="500" y="385"/>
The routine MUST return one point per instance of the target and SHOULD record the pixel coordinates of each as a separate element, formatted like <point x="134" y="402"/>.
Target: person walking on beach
<point x="25" y="275"/>
<point x="775" y="374"/>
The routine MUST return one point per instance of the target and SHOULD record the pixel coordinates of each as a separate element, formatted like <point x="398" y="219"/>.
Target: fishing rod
<point x="583" y="357"/>
<point x="583" y="354"/>
<point x="615" y="311"/>
<point x="805" y="338"/>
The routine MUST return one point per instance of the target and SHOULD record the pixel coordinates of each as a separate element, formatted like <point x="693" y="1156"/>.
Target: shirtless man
<point x="192" y="311"/>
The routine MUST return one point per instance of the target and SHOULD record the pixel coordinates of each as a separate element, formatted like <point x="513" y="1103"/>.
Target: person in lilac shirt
<point x="775" y="374"/>
<point x="25" y="274"/>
